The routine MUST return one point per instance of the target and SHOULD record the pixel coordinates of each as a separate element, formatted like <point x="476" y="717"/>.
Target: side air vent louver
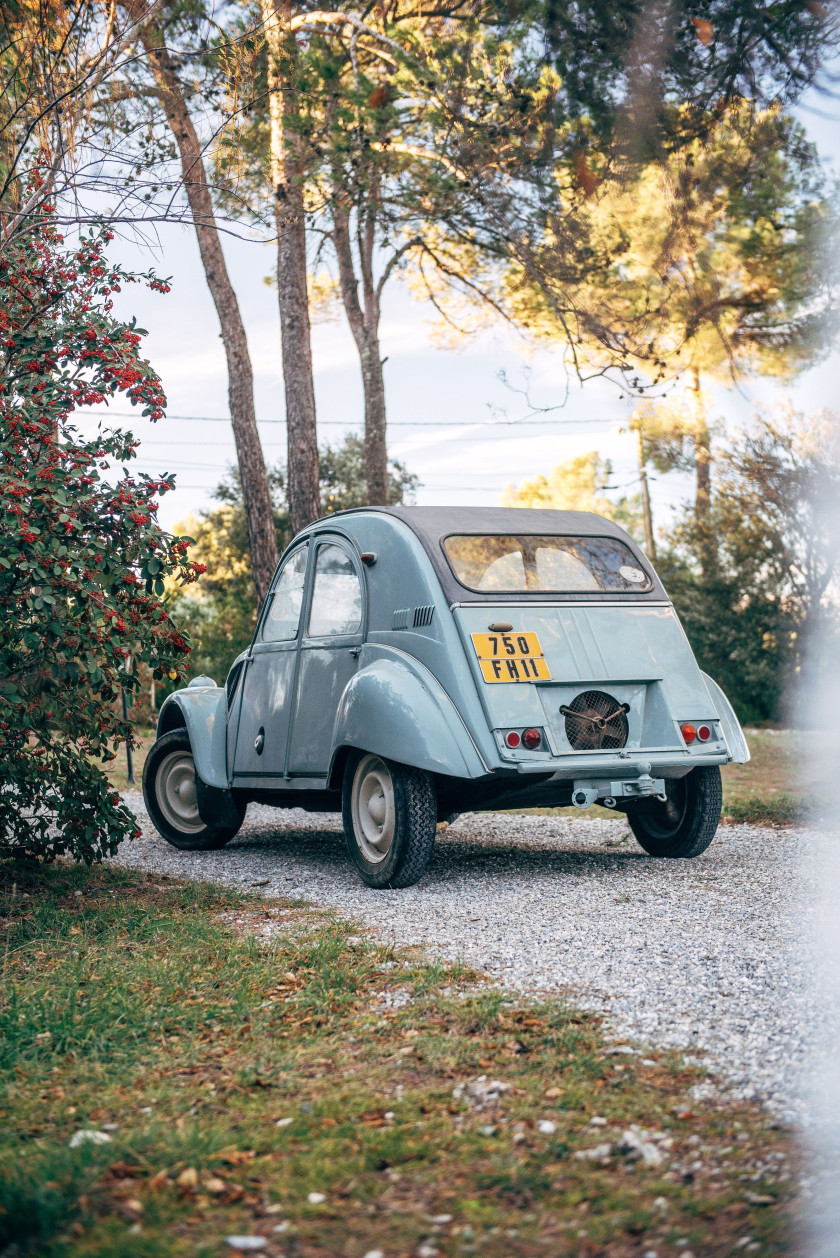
<point x="233" y="678"/>
<point x="423" y="616"/>
<point x="596" y="722"/>
<point x="402" y="617"/>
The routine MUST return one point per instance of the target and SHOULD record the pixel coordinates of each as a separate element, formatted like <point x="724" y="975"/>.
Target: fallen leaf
<point x="188" y="1179"/>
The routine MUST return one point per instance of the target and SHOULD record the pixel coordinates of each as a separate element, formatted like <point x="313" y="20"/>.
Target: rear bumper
<point x="667" y="764"/>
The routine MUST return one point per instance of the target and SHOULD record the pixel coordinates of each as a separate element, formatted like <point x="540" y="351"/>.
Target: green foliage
<point x="713" y="259"/>
<point x="220" y="613"/>
<point x="751" y="580"/>
<point x="741" y="631"/>
<point x="777" y="809"/>
<point x="82" y="562"/>
<point x="702" y="55"/>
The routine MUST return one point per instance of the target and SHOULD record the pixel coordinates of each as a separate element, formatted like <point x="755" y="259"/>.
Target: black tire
<point x="686" y="823"/>
<point x="406" y="837"/>
<point x="166" y="773"/>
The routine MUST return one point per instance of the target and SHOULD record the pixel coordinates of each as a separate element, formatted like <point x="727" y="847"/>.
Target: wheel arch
<point x="202" y="711"/>
<point x="395" y="708"/>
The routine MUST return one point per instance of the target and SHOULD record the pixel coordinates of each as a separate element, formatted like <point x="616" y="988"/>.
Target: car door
<point x="268" y="686"/>
<point x="329" y="653"/>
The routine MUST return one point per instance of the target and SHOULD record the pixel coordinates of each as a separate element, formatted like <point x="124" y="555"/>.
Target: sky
<point x="458" y="417"/>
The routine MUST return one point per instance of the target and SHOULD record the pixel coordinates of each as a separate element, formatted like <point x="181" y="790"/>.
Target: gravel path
<point x="707" y="954"/>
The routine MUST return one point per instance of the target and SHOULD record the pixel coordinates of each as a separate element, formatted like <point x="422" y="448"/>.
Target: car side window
<point x="336" y="595"/>
<point x="283" y="616"/>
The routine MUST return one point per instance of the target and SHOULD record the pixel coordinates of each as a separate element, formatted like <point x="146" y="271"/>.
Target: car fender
<point x="730" y="725"/>
<point x="395" y="708"/>
<point x="202" y="709"/>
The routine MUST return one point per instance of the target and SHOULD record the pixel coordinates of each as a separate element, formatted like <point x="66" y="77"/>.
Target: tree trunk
<point x="287" y="168"/>
<point x="256" y="495"/>
<point x="364" y="324"/>
<point x="647" y="514"/>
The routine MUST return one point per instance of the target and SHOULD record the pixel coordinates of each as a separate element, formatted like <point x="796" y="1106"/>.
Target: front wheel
<point x="390" y="818"/>
<point x="169" y="790"/>
<point x="685" y="824"/>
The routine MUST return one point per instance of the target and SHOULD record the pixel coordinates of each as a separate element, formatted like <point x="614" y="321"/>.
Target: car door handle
<point x="355" y="651"/>
<point x="259" y="742"/>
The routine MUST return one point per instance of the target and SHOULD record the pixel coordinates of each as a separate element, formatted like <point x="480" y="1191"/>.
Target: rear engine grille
<point x="596" y="722"/>
<point x="423" y="615"/>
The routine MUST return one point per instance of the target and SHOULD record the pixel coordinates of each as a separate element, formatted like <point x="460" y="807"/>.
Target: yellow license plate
<point x="510" y="657"/>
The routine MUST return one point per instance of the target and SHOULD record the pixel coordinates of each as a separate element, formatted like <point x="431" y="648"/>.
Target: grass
<point x="236" y="1076"/>
<point x="118" y="769"/>
<point x="773" y="787"/>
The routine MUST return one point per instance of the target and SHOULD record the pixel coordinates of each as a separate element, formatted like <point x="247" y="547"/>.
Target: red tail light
<point x="688" y="732"/>
<point x="512" y="739"/>
<point x="704" y="733"/>
<point x="531" y="738"/>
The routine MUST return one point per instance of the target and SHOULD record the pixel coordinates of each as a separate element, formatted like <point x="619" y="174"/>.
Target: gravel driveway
<point x="706" y="954"/>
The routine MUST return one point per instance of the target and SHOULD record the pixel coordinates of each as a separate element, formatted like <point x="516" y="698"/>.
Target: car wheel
<point x="169" y="789"/>
<point x="685" y="824"/>
<point x="390" y="818"/>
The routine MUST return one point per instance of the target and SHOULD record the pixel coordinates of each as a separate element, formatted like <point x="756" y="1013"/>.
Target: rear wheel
<point x="169" y="789"/>
<point x="390" y="818"/>
<point x="685" y="824"/>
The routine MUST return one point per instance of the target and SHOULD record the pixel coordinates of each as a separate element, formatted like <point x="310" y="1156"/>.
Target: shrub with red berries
<point x="82" y="560"/>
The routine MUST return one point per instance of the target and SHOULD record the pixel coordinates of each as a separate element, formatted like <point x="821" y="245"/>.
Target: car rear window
<point x="549" y="565"/>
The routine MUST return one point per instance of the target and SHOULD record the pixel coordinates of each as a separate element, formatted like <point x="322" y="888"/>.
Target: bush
<point x="82" y="561"/>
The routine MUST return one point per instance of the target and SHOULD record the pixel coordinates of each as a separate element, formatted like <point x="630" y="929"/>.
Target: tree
<point x="623" y="64"/>
<point x="753" y="614"/>
<point x="577" y="485"/>
<point x="287" y="172"/>
<point x="220" y="613"/>
<point x="256" y="496"/>
<point x="712" y="263"/>
<point x="386" y="118"/>
<point x="82" y="561"/>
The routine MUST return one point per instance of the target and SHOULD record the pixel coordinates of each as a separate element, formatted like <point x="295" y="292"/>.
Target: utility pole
<point x="128" y="757"/>
<point x="647" y="514"/>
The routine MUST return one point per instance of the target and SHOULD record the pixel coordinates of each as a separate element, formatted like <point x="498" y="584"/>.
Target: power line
<point x="396" y="423"/>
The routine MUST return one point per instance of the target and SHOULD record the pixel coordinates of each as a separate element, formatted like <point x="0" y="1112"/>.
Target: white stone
<point x="89" y="1137"/>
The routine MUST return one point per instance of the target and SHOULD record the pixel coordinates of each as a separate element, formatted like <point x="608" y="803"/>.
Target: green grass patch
<point x="774" y="808"/>
<point x="235" y="1075"/>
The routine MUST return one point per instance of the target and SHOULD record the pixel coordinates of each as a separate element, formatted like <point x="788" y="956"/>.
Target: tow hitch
<point x="585" y="791"/>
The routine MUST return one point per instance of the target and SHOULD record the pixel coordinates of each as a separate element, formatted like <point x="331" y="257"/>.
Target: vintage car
<point x="411" y="663"/>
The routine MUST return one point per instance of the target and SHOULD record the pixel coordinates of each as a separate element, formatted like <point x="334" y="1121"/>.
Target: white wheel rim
<point x="175" y="792"/>
<point x="374" y="812"/>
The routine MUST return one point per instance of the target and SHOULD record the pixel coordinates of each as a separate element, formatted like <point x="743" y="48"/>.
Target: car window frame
<point x="551" y="594"/>
<point x="257" y="643"/>
<point x="339" y="639"/>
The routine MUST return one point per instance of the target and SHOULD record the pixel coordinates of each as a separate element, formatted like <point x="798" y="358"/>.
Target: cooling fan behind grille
<point x="596" y="722"/>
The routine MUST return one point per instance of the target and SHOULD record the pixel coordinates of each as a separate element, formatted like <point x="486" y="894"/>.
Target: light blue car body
<point x="408" y="686"/>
